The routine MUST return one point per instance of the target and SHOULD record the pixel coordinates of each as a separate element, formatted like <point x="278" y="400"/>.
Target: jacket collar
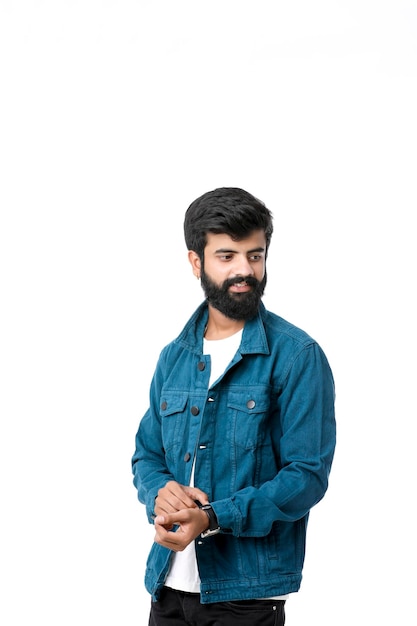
<point x="254" y="340"/>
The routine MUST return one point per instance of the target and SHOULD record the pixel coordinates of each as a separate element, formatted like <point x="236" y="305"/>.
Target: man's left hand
<point x="187" y="524"/>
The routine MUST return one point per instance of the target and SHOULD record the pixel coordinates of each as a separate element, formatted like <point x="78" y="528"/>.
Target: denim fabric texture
<point x="263" y="436"/>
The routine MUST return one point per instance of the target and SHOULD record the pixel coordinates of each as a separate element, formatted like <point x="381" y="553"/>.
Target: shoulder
<point x="279" y="329"/>
<point x="295" y="349"/>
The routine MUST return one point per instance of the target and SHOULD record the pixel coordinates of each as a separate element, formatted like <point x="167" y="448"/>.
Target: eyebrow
<point x="224" y="250"/>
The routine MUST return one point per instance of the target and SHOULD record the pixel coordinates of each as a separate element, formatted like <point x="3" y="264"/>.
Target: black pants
<point x="178" y="608"/>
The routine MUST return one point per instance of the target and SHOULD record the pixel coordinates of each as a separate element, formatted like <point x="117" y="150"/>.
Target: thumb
<point x="197" y="494"/>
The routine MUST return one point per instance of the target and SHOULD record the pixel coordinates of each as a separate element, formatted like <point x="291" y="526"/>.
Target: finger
<point x="196" y="494"/>
<point x="175" y="497"/>
<point x="163" y="536"/>
<point x="182" y="493"/>
<point x="166" y="502"/>
<point x="164" y="522"/>
<point x="176" y="540"/>
<point x="169" y="541"/>
<point x="162" y="507"/>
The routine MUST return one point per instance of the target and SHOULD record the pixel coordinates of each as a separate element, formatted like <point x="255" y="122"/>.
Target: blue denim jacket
<point x="263" y="437"/>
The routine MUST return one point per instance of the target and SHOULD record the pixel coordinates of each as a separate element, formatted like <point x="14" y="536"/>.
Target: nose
<point x="243" y="267"/>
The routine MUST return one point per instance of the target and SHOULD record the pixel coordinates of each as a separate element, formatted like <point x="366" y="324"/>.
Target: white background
<point x="115" y="115"/>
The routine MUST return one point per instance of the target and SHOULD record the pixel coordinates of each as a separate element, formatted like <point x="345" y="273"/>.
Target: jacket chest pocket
<point x="173" y="419"/>
<point x="247" y="415"/>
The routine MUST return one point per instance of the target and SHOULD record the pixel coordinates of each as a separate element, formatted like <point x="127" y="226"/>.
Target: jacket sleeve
<point x="148" y="462"/>
<point x="306" y="449"/>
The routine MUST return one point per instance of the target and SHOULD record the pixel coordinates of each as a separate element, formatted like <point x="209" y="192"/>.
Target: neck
<point x="219" y="326"/>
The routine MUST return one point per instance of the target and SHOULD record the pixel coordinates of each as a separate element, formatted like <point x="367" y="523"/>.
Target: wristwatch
<point x="214" y="527"/>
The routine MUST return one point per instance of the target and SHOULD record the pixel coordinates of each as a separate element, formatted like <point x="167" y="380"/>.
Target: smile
<point x="241" y="285"/>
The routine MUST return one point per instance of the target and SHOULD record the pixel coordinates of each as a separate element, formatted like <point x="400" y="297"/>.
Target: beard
<point x="236" y="306"/>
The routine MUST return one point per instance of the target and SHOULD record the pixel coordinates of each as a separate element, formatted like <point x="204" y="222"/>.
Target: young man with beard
<point x="237" y="444"/>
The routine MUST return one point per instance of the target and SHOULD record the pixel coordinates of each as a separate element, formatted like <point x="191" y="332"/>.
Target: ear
<point x="195" y="263"/>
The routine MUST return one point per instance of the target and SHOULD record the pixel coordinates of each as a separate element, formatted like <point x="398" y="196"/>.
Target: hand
<point x="175" y="497"/>
<point x="190" y="523"/>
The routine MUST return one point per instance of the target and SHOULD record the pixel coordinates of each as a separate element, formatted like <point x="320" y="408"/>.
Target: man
<point x="237" y="444"/>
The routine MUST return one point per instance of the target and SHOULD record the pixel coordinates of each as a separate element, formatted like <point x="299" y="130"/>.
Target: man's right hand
<point x="175" y="497"/>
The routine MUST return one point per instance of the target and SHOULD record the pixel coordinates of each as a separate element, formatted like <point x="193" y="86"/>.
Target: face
<point x="233" y="275"/>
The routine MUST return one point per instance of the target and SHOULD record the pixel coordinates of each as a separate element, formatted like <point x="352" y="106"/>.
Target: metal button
<point x="163" y="406"/>
<point x="251" y="404"/>
<point x="201" y="366"/>
<point x="187" y="457"/>
<point x="195" y="410"/>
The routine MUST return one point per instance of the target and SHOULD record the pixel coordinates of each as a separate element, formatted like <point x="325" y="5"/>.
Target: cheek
<point x="217" y="273"/>
<point x="260" y="272"/>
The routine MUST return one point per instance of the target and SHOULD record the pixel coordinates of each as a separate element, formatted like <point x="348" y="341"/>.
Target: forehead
<point x="254" y="241"/>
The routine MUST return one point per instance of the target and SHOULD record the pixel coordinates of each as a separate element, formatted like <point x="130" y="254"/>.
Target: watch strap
<point x="213" y="527"/>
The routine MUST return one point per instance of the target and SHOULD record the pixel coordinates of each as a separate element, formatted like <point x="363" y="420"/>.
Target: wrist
<point x="213" y="524"/>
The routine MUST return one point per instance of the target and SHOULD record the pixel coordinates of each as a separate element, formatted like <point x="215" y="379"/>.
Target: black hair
<point x="227" y="210"/>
